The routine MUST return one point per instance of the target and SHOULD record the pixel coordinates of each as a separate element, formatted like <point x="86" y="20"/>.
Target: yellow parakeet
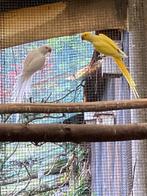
<point x="108" y="47"/>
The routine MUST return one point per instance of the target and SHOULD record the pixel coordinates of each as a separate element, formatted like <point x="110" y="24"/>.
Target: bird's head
<point x="45" y="49"/>
<point x="86" y="36"/>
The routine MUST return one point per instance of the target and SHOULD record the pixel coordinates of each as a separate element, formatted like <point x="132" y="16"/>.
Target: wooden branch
<point x="71" y="132"/>
<point x="57" y="19"/>
<point x="72" y="107"/>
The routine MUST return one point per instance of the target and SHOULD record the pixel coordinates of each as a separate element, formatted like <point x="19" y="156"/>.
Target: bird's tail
<point x="127" y="75"/>
<point x="22" y="89"/>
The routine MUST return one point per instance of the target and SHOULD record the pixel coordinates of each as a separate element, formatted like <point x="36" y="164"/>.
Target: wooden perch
<point x="72" y="107"/>
<point x="57" y="19"/>
<point x="71" y="132"/>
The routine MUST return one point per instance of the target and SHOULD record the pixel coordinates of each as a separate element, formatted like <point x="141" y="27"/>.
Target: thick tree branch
<point x="71" y="132"/>
<point x="72" y="107"/>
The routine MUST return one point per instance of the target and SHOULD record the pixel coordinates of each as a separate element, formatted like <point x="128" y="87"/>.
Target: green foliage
<point x="65" y="169"/>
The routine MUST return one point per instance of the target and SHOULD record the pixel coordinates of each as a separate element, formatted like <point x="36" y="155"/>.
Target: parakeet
<point x="108" y="47"/>
<point x="34" y="61"/>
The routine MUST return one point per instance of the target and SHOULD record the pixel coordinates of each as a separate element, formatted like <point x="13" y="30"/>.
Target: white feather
<point x="34" y="61"/>
<point x="22" y="89"/>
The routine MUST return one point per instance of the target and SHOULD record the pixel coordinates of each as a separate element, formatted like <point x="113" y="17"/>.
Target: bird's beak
<point x="50" y="50"/>
<point x="82" y="38"/>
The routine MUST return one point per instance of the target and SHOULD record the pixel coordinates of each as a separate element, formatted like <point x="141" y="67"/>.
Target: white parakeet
<point x="34" y="61"/>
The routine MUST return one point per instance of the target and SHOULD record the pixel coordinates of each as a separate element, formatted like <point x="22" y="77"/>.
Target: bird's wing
<point x="109" y="41"/>
<point x="112" y="43"/>
<point x="30" y="57"/>
<point x="34" y="64"/>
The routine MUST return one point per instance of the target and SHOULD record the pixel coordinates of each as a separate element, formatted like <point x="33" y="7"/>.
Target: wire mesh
<point x="96" y="169"/>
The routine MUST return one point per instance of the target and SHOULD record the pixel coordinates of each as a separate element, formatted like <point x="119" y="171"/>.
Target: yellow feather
<point x="112" y="43"/>
<point x="108" y="47"/>
<point x="109" y="40"/>
<point x="127" y="75"/>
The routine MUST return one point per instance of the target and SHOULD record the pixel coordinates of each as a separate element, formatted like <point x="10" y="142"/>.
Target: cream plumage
<point x="34" y="61"/>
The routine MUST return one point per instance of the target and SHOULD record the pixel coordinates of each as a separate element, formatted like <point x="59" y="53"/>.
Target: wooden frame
<point x="58" y="19"/>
